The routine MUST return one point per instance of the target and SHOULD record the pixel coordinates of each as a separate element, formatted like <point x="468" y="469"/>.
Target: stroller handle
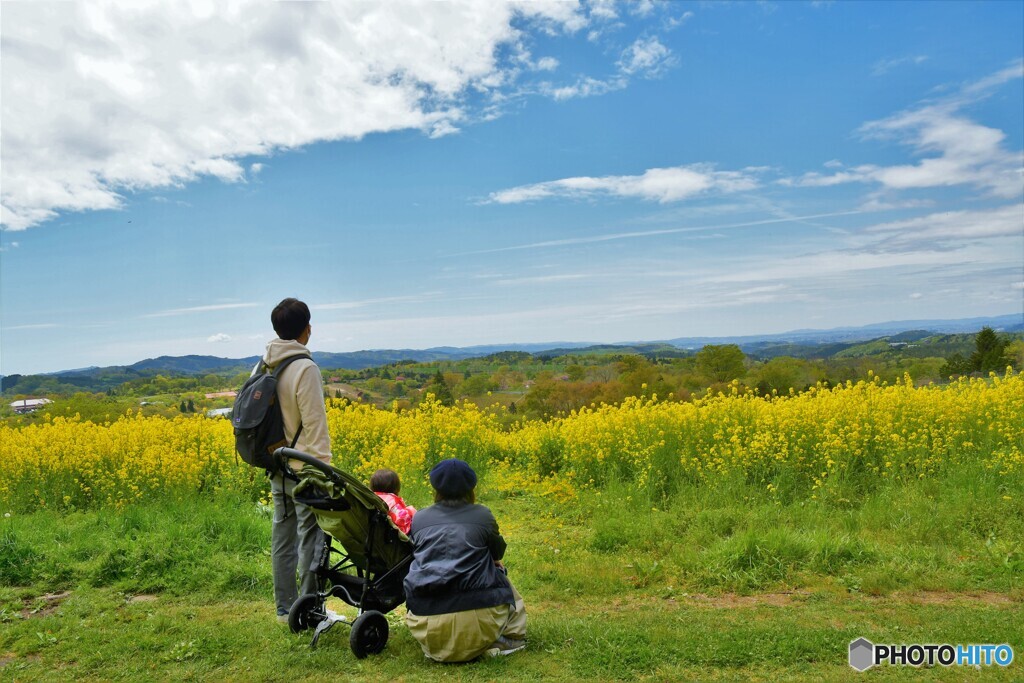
<point x="284" y="454"/>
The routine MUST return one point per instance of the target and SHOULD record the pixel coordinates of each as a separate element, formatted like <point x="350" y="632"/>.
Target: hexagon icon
<point x="862" y="654"/>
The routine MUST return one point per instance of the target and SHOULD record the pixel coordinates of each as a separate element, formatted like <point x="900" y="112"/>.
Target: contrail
<point x="652" y="233"/>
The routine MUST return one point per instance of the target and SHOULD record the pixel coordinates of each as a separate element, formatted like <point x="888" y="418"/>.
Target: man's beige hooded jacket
<point x="300" y="392"/>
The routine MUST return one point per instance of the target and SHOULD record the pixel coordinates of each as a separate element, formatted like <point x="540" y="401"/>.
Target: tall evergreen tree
<point x="990" y="352"/>
<point x="440" y="389"/>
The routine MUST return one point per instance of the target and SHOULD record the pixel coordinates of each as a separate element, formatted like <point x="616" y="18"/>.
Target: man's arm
<point x="309" y="396"/>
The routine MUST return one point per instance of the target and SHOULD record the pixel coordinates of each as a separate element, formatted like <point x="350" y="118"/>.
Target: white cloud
<point x="657" y="184"/>
<point x="254" y="169"/>
<point x="603" y="9"/>
<point x="220" y="337"/>
<point x="546" y="64"/>
<point x="962" y="152"/>
<point x="641" y="8"/>
<point x="102" y="99"/>
<point x="917" y="295"/>
<point x="648" y="57"/>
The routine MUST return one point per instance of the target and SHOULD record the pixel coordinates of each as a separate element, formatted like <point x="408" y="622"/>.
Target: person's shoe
<point x="282" y="618"/>
<point x="506" y="646"/>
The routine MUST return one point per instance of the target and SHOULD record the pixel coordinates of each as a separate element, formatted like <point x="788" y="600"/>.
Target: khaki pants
<point x="462" y="636"/>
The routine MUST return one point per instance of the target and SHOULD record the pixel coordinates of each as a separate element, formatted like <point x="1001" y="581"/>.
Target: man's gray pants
<point x="294" y="541"/>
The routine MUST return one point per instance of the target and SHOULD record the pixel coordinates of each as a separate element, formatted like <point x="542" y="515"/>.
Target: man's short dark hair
<point x="385" y="481"/>
<point x="290" y="318"/>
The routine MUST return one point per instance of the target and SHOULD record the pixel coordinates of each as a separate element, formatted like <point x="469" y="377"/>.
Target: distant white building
<point x="218" y="412"/>
<point x="28" y="405"/>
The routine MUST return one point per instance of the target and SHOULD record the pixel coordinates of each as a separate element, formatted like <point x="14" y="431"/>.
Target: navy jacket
<point x="454" y="549"/>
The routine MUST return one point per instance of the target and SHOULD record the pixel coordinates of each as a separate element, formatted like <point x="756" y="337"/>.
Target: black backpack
<point x="257" y="417"/>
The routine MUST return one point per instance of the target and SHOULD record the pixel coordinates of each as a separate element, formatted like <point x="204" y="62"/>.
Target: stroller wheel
<point x="306" y="612"/>
<point x="369" y="634"/>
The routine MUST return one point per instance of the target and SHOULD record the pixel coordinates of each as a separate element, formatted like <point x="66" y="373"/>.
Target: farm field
<point x="729" y="538"/>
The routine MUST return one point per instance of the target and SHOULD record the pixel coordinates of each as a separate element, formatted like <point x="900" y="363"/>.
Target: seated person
<point x="386" y="485"/>
<point x="460" y="602"/>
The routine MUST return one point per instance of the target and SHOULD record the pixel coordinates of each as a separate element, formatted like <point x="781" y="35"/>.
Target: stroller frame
<point x="371" y="592"/>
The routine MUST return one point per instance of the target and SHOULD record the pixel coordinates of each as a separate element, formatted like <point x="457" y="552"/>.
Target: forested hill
<point x="935" y="338"/>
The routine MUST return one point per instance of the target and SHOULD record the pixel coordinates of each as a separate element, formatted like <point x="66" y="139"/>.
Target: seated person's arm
<point x="496" y="544"/>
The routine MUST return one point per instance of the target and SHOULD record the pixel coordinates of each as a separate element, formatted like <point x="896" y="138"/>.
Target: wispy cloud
<point x="962" y="152"/>
<point x="662" y="185"/>
<point x="645" y="57"/>
<point x="972" y="241"/>
<point x="542" y="279"/>
<point x="39" y="326"/>
<point x="219" y="338"/>
<point x="1004" y="221"/>
<point x="884" y="66"/>
<point x="349" y="305"/>
<point x="197" y="309"/>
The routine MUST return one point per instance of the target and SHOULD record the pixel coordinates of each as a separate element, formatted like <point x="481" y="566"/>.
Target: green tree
<point x="784" y="373"/>
<point x="575" y="372"/>
<point x="721" y="363"/>
<point x="1015" y="353"/>
<point x="183" y="408"/>
<point x="955" y="365"/>
<point x="440" y="389"/>
<point x="990" y="352"/>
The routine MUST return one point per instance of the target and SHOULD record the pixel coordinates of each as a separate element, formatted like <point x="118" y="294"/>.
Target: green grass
<point x="725" y="584"/>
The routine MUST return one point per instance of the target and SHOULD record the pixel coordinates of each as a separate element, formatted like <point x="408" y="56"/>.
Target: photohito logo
<point x="864" y="654"/>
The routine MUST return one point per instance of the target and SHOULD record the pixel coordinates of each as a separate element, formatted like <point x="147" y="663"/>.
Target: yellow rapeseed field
<point x="808" y="443"/>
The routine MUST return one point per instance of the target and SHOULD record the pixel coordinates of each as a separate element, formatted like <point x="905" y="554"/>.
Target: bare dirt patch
<point x="951" y="598"/>
<point x="731" y="600"/>
<point x="44" y="605"/>
<point x="141" y="598"/>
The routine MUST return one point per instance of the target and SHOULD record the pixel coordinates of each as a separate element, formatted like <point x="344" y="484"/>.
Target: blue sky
<point x="458" y="174"/>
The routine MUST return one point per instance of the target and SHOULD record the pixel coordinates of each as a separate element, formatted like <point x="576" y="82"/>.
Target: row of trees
<point x="545" y="387"/>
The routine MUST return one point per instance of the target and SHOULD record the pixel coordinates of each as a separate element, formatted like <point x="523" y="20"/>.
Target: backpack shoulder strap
<point x="286" y="362"/>
<point x="277" y="371"/>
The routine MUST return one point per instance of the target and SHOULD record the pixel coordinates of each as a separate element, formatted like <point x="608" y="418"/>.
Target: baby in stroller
<point x="366" y="572"/>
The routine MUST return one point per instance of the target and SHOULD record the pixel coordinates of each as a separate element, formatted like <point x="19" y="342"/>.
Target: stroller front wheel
<point x="306" y="612"/>
<point x="369" y="634"/>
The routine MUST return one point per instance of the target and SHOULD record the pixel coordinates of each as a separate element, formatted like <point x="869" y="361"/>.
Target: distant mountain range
<point x="766" y="344"/>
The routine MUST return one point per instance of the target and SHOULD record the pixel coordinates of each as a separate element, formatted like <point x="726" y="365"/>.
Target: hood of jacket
<point x="279" y="349"/>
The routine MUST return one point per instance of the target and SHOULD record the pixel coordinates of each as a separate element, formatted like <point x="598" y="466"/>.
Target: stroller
<point x="367" y="572"/>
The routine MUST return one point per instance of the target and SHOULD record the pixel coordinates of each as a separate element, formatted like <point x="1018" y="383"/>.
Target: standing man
<point x="295" y="536"/>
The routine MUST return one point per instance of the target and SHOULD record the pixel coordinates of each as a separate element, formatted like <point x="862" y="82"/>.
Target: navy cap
<point x="452" y="478"/>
